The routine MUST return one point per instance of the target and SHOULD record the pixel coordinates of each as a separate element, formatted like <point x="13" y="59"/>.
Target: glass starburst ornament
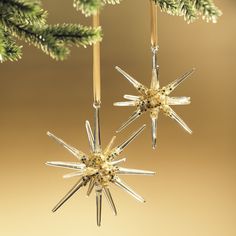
<point x="154" y="100"/>
<point x="99" y="168"/>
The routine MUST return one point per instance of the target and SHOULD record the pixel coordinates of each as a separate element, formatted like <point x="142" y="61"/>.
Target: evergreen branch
<point x="8" y="48"/>
<point x="53" y="40"/>
<point x="73" y="34"/>
<point x="168" y="6"/>
<point x="191" y="9"/>
<point x="90" y="7"/>
<point x="187" y="9"/>
<point x="25" y="20"/>
<point x="208" y="10"/>
<point x="33" y="36"/>
<point x="23" y="12"/>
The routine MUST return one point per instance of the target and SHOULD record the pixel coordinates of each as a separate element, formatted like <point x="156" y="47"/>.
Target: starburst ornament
<point x="98" y="169"/>
<point x="154" y="100"/>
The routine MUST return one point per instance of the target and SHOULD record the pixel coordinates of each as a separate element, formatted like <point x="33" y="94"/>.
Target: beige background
<point x="194" y="191"/>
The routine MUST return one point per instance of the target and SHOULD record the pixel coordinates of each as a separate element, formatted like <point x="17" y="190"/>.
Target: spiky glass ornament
<point x="99" y="168"/>
<point x="154" y="100"/>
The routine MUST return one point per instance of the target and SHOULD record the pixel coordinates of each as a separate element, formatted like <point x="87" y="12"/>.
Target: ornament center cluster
<point x="103" y="170"/>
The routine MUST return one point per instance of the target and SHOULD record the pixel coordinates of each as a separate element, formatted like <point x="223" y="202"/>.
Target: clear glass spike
<point x="132" y="118"/>
<point x="90" y="135"/>
<point x="122" y="146"/>
<point x="155" y="69"/>
<point x="110" y="199"/>
<point x="75" y="188"/>
<point x="73" y="174"/>
<point x="172" y="101"/>
<point x="97" y="136"/>
<point x="154" y="130"/>
<point x="99" y="205"/>
<point x="109" y="146"/>
<point x="118" y="161"/>
<point x="71" y="149"/>
<point x="91" y="186"/>
<point x="174" y="116"/>
<point x="68" y="165"/>
<point x="131" y="97"/>
<point x="134" y="82"/>
<point x="127" y="189"/>
<point x="125" y="104"/>
<point x="155" y="82"/>
<point x="173" y="85"/>
<point x="126" y="171"/>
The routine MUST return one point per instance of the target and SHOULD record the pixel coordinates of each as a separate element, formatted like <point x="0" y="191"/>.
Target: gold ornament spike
<point x="140" y="87"/>
<point x="130" y="120"/>
<point x="122" y="146"/>
<point x="173" y="101"/>
<point x="125" y="104"/>
<point x="73" y="174"/>
<point x="77" y="186"/>
<point x="154" y="119"/>
<point x="110" y="144"/>
<point x="67" y="165"/>
<point x="154" y="132"/>
<point x="80" y="155"/>
<point x="99" y="205"/>
<point x="127" y="189"/>
<point x="97" y="132"/>
<point x="96" y="65"/>
<point x="110" y="199"/>
<point x="91" y="186"/>
<point x="131" y="97"/>
<point x="114" y="163"/>
<point x="171" y="113"/>
<point x="90" y="135"/>
<point x="173" y="85"/>
<point x="127" y="171"/>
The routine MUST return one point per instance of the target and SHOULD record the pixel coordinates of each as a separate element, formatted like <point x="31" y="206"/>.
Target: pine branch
<point x="90" y="7"/>
<point x="74" y="34"/>
<point x="25" y="20"/>
<point x="208" y="10"/>
<point x="191" y="10"/>
<point x="187" y="9"/>
<point x="54" y="40"/>
<point x="8" y="48"/>
<point x="168" y="6"/>
<point x="23" y="11"/>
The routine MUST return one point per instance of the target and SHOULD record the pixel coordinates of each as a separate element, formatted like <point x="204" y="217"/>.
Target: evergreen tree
<point x="26" y="20"/>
